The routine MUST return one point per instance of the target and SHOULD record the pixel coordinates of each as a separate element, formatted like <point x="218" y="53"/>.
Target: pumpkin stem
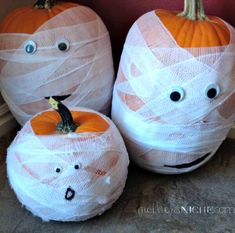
<point x="186" y="9"/>
<point x="201" y="12"/>
<point x="193" y="10"/>
<point x="44" y="4"/>
<point x="67" y="124"/>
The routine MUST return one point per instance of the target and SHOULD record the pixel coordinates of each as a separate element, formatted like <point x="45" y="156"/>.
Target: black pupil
<point x="76" y="167"/>
<point x="57" y="170"/>
<point x="62" y="46"/>
<point x="175" y="96"/>
<point x="29" y="48"/>
<point x="212" y="93"/>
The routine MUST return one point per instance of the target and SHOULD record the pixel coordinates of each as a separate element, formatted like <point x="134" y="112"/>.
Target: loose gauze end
<point x="74" y="59"/>
<point x="68" y="177"/>
<point x="174" y="106"/>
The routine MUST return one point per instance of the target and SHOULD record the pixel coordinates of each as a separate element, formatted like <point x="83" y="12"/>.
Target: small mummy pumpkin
<point x="67" y="166"/>
<point x="174" y="97"/>
<point x="54" y="48"/>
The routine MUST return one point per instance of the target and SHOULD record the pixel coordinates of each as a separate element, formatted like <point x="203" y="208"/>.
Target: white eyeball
<point x="213" y="91"/>
<point x="63" y="45"/>
<point x="30" y="47"/>
<point x="177" y="94"/>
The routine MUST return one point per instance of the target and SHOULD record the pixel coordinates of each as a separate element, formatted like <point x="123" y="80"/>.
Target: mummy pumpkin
<point x="71" y="174"/>
<point x="174" y="97"/>
<point x="58" y="49"/>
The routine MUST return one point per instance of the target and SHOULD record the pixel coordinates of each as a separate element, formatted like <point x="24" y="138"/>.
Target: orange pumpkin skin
<point x="28" y="19"/>
<point x="46" y="122"/>
<point x="195" y="33"/>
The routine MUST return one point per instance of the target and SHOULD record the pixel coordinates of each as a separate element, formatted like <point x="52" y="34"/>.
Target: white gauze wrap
<point x="84" y="71"/>
<point x="161" y="133"/>
<point x="32" y="162"/>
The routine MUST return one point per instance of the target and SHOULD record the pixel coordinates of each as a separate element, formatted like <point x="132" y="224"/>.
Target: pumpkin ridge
<point x="178" y="30"/>
<point x="216" y="32"/>
<point x="193" y="35"/>
<point x="186" y="33"/>
<point x="219" y="35"/>
<point x="201" y="36"/>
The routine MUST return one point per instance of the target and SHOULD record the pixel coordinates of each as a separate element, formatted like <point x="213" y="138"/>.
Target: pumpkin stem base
<point x="65" y="129"/>
<point x="44" y="4"/>
<point x="193" y="10"/>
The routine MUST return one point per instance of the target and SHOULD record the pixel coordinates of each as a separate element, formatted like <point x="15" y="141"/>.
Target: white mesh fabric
<point x="83" y="71"/>
<point x="31" y="166"/>
<point x="159" y="131"/>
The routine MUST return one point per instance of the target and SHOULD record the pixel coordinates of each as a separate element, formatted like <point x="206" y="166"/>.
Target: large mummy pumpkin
<point x="174" y="98"/>
<point x="72" y="176"/>
<point x="62" y="50"/>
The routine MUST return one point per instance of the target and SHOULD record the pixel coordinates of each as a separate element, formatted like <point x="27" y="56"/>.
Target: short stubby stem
<point x="44" y="4"/>
<point x="67" y="124"/>
<point x="193" y="10"/>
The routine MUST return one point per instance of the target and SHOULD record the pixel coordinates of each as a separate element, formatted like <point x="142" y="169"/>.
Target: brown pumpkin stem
<point x="193" y="10"/>
<point x="67" y="124"/>
<point x="44" y="4"/>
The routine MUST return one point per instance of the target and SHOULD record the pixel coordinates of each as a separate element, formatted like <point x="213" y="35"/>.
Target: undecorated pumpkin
<point x="69" y="166"/>
<point x="54" y="48"/>
<point x="174" y="97"/>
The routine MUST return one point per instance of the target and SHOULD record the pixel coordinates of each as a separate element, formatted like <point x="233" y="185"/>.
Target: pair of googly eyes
<point x="178" y="93"/>
<point x="30" y="46"/>
<point x="76" y="167"/>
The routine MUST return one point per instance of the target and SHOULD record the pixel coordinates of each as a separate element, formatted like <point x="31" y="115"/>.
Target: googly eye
<point x="63" y="45"/>
<point x="77" y="166"/>
<point x="30" y="47"/>
<point x="213" y="91"/>
<point x="58" y="170"/>
<point x="177" y="94"/>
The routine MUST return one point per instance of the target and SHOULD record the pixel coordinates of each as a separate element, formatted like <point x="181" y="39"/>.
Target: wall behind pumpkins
<point x="7" y="6"/>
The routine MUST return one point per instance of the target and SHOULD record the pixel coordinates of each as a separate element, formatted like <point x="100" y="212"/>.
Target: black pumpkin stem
<point x="193" y="10"/>
<point x="44" y="4"/>
<point x="67" y="124"/>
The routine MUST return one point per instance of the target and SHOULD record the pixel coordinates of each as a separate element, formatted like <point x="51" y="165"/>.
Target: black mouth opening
<point x="187" y="165"/>
<point x="70" y="194"/>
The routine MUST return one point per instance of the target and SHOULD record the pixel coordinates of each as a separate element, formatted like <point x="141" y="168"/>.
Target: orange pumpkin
<point x="158" y="94"/>
<point x="54" y="48"/>
<point x="45" y="123"/>
<point x="192" y="28"/>
<point x="69" y="174"/>
<point x="28" y="19"/>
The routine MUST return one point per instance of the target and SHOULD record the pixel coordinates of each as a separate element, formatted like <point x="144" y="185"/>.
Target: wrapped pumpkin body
<point x="174" y="97"/>
<point x="68" y="177"/>
<point x="57" y="51"/>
